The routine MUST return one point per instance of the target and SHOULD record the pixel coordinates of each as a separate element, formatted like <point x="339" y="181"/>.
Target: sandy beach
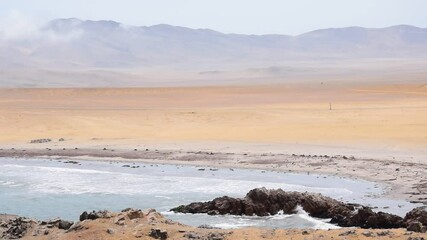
<point x="372" y="132"/>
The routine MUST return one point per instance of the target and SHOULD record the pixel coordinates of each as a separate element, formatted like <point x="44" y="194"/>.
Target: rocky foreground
<point x="137" y="224"/>
<point x="263" y="202"/>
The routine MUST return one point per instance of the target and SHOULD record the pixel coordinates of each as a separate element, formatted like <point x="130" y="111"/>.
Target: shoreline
<point x="403" y="180"/>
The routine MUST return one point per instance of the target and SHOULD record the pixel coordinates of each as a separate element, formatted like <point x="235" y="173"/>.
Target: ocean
<point x="49" y="188"/>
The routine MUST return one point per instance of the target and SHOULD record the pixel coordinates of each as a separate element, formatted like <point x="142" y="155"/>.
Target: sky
<point x="228" y="16"/>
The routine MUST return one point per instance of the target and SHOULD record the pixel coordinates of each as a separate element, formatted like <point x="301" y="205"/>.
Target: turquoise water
<point x="48" y="188"/>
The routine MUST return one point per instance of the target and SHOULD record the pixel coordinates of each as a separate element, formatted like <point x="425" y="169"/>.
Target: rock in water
<point x="263" y="202"/>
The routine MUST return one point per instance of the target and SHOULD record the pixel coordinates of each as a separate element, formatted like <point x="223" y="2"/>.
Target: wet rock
<point x="263" y="202"/>
<point x="71" y="162"/>
<point x="417" y="214"/>
<point x="158" y="234"/>
<point x="416" y="226"/>
<point x="366" y="218"/>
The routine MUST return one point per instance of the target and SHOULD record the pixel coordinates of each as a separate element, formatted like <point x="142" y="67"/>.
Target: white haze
<point x="16" y="26"/>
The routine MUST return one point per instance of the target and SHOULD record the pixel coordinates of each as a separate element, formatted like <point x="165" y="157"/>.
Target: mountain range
<point x="82" y="53"/>
<point x="75" y="43"/>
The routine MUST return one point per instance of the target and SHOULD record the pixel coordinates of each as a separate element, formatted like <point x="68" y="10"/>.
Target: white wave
<point x="232" y="225"/>
<point x="13" y="166"/>
<point x="280" y="216"/>
<point x="70" y="180"/>
<point x="164" y="197"/>
<point x="79" y="181"/>
<point x="7" y="183"/>
<point x="74" y="170"/>
<point x="318" y="223"/>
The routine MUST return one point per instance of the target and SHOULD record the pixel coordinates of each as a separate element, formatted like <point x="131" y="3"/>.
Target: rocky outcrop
<point x="149" y="224"/>
<point x="364" y="217"/>
<point x="94" y="215"/>
<point x="417" y="219"/>
<point x="263" y="202"/>
<point x="16" y="228"/>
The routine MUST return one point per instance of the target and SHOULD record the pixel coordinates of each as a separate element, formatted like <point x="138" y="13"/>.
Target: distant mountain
<point x="74" y="43"/>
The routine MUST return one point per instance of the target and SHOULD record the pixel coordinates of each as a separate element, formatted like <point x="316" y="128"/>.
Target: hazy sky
<point x="229" y="16"/>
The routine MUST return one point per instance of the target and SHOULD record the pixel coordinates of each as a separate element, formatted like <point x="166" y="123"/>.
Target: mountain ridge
<point x="77" y="43"/>
<point x="400" y="26"/>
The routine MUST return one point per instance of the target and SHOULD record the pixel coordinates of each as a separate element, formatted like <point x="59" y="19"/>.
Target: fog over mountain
<point x="82" y="46"/>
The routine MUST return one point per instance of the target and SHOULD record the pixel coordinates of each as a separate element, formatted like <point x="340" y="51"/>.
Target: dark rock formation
<point x="417" y="219"/>
<point x="65" y="225"/>
<point x="416" y="226"/>
<point x="366" y="218"/>
<point x="418" y="214"/>
<point x="59" y="223"/>
<point x="263" y="202"/>
<point x="158" y="234"/>
<point x="94" y="215"/>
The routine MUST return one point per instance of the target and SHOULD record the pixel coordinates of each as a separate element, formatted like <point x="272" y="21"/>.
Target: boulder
<point x="94" y="215"/>
<point x="158" y="234"/>
<point x="416" y="226"/>
<point x="417" y="214"/>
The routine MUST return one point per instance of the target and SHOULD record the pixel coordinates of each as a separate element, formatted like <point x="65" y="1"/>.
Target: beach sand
<point x="372" y="131"/>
